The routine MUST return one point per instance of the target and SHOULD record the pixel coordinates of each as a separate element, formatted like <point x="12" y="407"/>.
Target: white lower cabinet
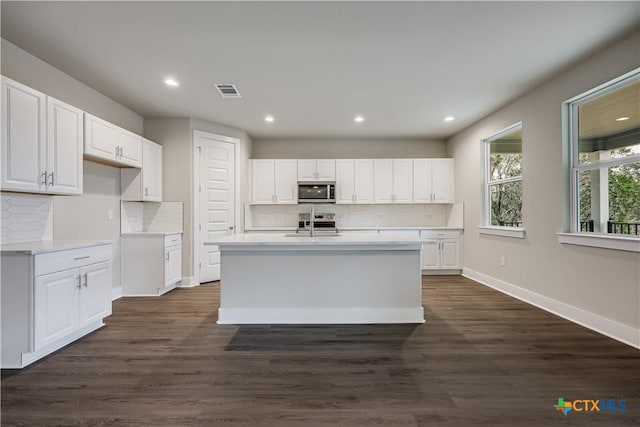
<point x="151" y="263"/>
<point x="441" y="250"/>
<point x="51" y="299"/>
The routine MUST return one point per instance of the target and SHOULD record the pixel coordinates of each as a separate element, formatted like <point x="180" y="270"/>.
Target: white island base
<point x="285" y="280"/>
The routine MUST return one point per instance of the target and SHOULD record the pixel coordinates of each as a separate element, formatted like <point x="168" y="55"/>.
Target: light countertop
<point x="344" y="241"/>
<point x="152" y="233"/>
<point x="35" y="248"/>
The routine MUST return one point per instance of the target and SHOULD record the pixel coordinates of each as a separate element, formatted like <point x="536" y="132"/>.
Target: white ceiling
<point x="314" y="65"/>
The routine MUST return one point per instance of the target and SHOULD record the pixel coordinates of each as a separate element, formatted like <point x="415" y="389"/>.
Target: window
<point x="603" y="128"/>
<point x="503" y="183"/>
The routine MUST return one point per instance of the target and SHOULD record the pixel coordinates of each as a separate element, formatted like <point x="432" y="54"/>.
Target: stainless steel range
<point x="322" y="222"/>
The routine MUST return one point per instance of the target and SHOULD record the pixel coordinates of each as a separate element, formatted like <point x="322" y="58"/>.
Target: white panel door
<point x="403" y="180"/>
<point x="65" y="141"/>
<point x="130" y="148"/>
<point x="431" y="254"/>
<point x="421" y="181"/>
<point x="23" y="137"/>
<point x="100" y="138"/>
<point x="151" y="171"/>
<point x="326" y="170"/>
<point x="55" y="306"/>
<point x="286" y="184"/>
<point x="217" y="202"/>
<point x="306" y="170"/>
<point x="363" y="181"/>
<point x="442" y="186"/>
<point x="95" y="294"/>
<point x="450" y="253"/>
<point x="172" y="265"/>
<point x="383" y="180"/>
<point x="345" y="181"/>
<point x="263" y="182"/>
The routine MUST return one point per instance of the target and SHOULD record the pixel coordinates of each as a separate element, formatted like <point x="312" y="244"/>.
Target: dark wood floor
<point x="482" y="358"/>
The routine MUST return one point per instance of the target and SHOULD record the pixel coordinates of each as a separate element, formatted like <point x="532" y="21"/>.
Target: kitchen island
<point x="281" y="279"/>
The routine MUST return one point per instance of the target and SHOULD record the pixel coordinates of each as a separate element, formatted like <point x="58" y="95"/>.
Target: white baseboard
<point x="441" y="272"/>
<point x="116" y="293"/>
<point x="250" y="316"/>
<point x="602" y="325"/>
<point x="188" y="282"/>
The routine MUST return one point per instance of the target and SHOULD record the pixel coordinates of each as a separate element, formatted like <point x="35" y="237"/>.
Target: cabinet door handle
<point x="81" y="257"/>
<point x="146" y="191"/>
<point x="44" y="178"/>
<point x="51" y="175"/>
<point x="167" y="256"/>
<point x="86" y="280"/>
<point x="79" y="285"/>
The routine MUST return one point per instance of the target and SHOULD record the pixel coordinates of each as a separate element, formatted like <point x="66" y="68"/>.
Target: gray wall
<point x="346" y="148"/>
<point x="176" y="137"/>
<point x="21" y="66"/>
<point x="601" y="281"/>
<point x="79" y="217"/>
<point x="85" y="217"/>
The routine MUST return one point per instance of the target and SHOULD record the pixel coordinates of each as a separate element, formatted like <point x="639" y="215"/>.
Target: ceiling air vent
<point x="227" y="90"/>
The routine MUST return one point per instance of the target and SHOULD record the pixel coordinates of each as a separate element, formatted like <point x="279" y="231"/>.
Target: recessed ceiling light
<point x="621" y="119"/>
<point x="269" y="119"/>
<point x="449" y="119"/>
<point x="171" y="82"/>
<point x="359" y="119"/>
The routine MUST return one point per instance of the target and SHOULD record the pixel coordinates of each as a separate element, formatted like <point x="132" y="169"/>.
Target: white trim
<point x="611" y="328"/>
<point x="354" y="315"/>
<point x="195" y="205"/>
<point x="570" y="166"/>
<point x="631" y="244"/>
<point x="485" y="200"/>
<point x="116" y="293"/>
<point x="188" y="282"/>
<point x="513" y="232"/>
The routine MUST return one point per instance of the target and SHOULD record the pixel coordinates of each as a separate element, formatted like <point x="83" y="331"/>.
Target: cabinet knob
<point x="231" y="227"/>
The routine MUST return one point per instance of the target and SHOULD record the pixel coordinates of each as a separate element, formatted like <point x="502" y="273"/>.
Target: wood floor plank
<point x="481" y="358"/>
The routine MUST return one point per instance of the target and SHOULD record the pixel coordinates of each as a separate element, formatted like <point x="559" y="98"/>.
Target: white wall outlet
<point x="110" y="214"/>
<point x="503" y="262"/>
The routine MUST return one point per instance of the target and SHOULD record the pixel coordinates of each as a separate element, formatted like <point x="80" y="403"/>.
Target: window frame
<point x="486" y="227"/>
<point x="571" y="233"/>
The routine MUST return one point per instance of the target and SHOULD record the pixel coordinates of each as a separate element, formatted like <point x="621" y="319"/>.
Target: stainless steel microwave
<point x="316" y="192"/>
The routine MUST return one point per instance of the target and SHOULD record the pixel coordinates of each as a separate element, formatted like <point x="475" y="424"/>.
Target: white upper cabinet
<point x="65" y="140"/>
<point x="144" y="184"/>
<point x="152" y="171"/>
<point x="274" y="181"/>
<point x="130" y="148"/>
<point x="111" y="144"/>
<point x="317" y="170"/>
<point x="433" y="181"/>
<point x="393" y="181"/>
<point x="354" y="181"/>
<point x="41" y="142"/>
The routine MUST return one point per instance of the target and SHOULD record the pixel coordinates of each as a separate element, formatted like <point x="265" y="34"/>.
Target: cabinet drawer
<point x="64" y="260"/>
<point x="172" y="240"/>
<point x="440" y="234"/>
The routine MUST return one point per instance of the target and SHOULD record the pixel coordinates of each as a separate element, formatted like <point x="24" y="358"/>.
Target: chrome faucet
<point x="312" y="217"/>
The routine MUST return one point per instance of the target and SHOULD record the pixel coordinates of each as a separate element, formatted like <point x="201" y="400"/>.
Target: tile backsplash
<point x="264" y="216"/>
<point x="26" y="218"/>
<point x="139" y="217"/>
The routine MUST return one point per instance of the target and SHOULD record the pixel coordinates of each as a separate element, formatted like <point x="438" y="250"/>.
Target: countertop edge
<point x="50" y="246"/>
